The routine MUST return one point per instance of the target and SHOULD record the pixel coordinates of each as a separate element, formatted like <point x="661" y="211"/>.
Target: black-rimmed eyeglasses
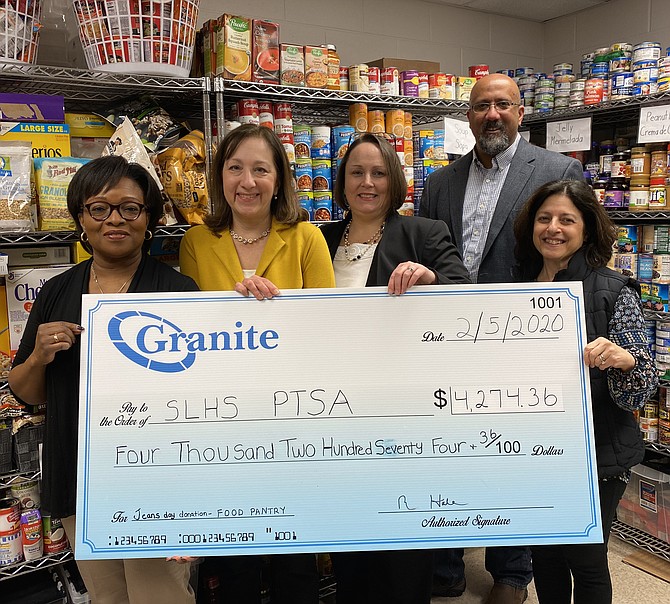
<point x="501" y="106"/>
<point x="101" y="210"/>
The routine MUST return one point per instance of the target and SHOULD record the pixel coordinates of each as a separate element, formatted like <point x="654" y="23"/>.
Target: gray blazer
<point x="531" y="167"/>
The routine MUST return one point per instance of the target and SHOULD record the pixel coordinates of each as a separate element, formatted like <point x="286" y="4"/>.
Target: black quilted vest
<point x="619" y="444"/>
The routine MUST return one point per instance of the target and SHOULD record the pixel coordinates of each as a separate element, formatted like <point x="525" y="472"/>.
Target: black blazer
<point x="407" y="238"/>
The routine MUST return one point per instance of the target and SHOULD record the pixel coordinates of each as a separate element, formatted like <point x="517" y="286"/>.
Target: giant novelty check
<point x="334" y="420"/>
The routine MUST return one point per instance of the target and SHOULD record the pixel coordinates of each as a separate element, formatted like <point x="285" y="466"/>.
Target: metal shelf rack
<point x="318" y="106"/>
<point x="641" y="540"/>
<point x="13" y="570"/>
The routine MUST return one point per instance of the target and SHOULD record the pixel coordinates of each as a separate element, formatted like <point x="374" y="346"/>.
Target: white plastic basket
<point x="19" y="30"/>
<point x="153" y="37"/>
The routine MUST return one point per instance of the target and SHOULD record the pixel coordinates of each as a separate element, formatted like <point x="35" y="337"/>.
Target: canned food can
<point x="283" y="118"/>
<point x="321" y="142"/>
<point x="374" y="80"/>
<point x="266" y="116"/>
<point x="11" y="548"/>
<point x="323" y="205"/>
<point x="649" y="429"/>
<point x="10" y="515"/>
<point x="620" y="64"/>
<point x="410" y="83"/>
<point x="441" y="86"/>
<point x="390" y="81"/>
<point x="423" y="85"/>
<point x="55" y="539"/>
<point x="302" y="138"/>
<point x="247" y="111"/>
<point x="287" y="141"/>
<point x="395" y="122"/>
<point x="593" y="91"/>
<point x="622" y="48"/>
<point x="646" y="50"/>
<point x="508" y="72"/>
<point x="27" y="492"/>
<point x="376" y="120"/>
<point x="306" y="201"/>
<point x="358" y="116"/>
<point x="344" y="78"/>
<point x="408" y="125"/>
<point x="645" y="74"/>
<point x="340" y="140"/>
<point x="359" y="80"/>
<point x="519" y="72"/>
<point x="562" y="67"/>
<point x="478" y="71"/>
<point x="321" y="175"/>
<point x="626" y="264"/>
<point x="303" y="174"/>
<point x="645" y="88"/>
<point x="621" y="85"/>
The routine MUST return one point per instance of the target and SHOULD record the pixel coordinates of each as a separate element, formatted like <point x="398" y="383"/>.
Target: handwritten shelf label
<point x="215" y="424"/>
<point x="654" y="124"/>
<point x="569" y="135"/>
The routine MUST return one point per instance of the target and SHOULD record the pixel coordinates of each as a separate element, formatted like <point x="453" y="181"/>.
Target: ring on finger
<point x="602" y="358"/>
<point x="56" y="338"/>
<point x="410" y="269"/>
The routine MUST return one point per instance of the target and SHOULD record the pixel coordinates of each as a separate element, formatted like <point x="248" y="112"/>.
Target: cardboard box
<point x="79" y="254"/>
<point x="23" y="285"/>
<point x="233" y="48"/>
<point x="265" y="52"/>
<point x="17" y="107"/>
<point x="646" y="502"/>
<point x="37" y="256"/>
<point x="406" y="64"/>
<point x="47" y="140"/>
<point x="89" y="125"/>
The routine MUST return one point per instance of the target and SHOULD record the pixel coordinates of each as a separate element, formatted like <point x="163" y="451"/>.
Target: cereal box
<point x="265" y="48"/>
<point x="233" y="48"/>
<point x="292" y="60"/>
<point x="23" y="285"/>
<point x="48" y="140"/>
<point x="316" y="67"/>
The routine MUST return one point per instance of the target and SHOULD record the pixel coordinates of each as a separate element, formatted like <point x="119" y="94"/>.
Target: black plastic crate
<point x="6" y="464"/>
<point x="27" y="448"/>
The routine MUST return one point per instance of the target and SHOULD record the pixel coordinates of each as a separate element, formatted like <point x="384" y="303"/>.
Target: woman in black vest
<point x="563" y="234"/>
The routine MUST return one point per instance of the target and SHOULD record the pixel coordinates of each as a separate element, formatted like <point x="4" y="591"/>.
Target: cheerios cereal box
<point x="22" y="287"/>
<point x="47" y="140"/>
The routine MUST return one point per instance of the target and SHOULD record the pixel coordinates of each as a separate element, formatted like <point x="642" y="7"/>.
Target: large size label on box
<point x="334" y="420"/>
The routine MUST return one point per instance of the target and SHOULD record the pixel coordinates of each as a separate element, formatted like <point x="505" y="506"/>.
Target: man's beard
<point x="494" y="143"/>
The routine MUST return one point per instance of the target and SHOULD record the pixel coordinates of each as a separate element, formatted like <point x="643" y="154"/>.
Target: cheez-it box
<point x="22" y="286"/>
<point x="48" y="140"/>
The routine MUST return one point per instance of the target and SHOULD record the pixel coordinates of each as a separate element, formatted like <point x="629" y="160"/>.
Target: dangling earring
<point x="150" y="235"/>
<point x="83" y="237"/>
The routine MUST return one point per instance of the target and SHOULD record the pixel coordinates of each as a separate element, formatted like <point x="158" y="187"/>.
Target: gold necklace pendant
<point x="246" y="240"/>
<point x="95" y="278"/>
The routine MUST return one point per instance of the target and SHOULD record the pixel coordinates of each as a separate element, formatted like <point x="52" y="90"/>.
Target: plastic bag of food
<point x="126" y="142"/>
<point x="53" y="176"/>
<point x="155" y="127"/>
<point x="182" y="168"/>
<point x="16" y="160"/>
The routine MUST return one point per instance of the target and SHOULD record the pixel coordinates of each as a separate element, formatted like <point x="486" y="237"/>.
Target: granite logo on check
<point x="158" y="344"/>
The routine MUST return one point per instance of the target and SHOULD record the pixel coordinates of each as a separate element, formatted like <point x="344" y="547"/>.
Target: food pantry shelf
<point x="641" y="540"/>
<point x="33" y="237"/>
<point x="13" y="570"/>
<point x="332" y="105"/>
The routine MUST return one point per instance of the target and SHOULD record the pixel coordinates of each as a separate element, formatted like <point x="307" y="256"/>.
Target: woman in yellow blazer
<point x="255" y="242"/>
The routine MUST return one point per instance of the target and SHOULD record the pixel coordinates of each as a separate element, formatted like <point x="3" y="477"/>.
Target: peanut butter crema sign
<point x="654" y="125"/>
<point x="213" y="424"/>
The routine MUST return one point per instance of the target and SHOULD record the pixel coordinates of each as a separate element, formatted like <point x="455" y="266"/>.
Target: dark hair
<point x="397" y="185"/>
<point x="104" y="173"/>
<point x="284" y="207"/>
<point x="599" y="231"/>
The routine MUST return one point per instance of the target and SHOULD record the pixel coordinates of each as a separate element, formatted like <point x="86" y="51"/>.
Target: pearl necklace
<point x="95" y="278"/>
<point x="246" y="240"/>
<point x="369" y="243"/>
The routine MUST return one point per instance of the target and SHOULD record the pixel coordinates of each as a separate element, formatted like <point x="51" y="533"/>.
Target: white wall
<point x="365" y="30"/>
<point x="566" y="39"/>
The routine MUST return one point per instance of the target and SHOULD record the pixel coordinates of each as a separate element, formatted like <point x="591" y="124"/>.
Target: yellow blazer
<point x="295" y="257"/>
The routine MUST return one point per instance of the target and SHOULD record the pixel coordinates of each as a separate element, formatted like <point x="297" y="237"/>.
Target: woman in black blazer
<point x="374" y="245"/>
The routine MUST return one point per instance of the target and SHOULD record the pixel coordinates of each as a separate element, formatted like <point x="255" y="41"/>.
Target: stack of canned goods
<point x="544" y="94"/>
<point x="563" y="78"/>
<point x="646" y="56"/>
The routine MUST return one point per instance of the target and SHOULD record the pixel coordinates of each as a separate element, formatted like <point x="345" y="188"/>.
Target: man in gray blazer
<point x="479" y="196"/>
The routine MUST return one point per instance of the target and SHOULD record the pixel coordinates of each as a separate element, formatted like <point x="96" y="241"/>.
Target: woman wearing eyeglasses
<point x="374" y="245"/>
<point x="115" y="206"/>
